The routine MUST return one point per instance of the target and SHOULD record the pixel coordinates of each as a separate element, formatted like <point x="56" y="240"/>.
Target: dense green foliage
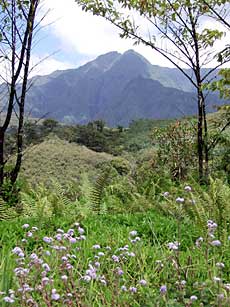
<point x="145" y="182"/>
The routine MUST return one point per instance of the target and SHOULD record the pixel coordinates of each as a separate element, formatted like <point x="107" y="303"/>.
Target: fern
<point x="6" y="213"/>
<point x="96" y="192"/>
<point x="60" y="203"/>
<point x="217" y="204"/>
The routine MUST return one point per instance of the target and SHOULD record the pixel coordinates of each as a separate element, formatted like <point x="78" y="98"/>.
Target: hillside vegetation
<point x="60" y="160"/>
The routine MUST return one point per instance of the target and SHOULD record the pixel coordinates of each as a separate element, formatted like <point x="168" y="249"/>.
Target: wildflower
<point x="173" y="245"/>
<point x="125" y="248"/>
<point x="100" y="254"/>
<point x="76" y="224"/>
<point x="45" y="280"/>
<point x="199" y="241"/>
<point x="216" y="279"/>
<point x="60" y="230"/>
<point x="24" y="241"/>
<point x="21" y="272"/>
<point x="58" y="237"/>
<point x="91" y="272"/>
<point x="81" y="230"/>
<point x="216" y="243"/>
<point x="17" y="250"/>
<point x="227" y="287"/>
<point x="133" y="233"/>
<point x="220" y="265"/>
<point x="8" y="299"/>
<point x="165" y="194"/>
<point x="180" y="200"/>
<point x="55" y="296"/>
<point x="72" y="240"/>
<point x="47" y="240"/>
<point x="70" y="232"/>
<point x="119" y="271"/>
<point x="211" y="227"/>
<point x="96" y="246"/>
<point x="133" y="289"/>
<point x="29" y="234"/>
<point x="115" y="258"/>
<point x="103" y="281"/>
<point x="33" y="256"/>
<point x="25" y="226"/>
<point x="97" y="264"/>
<point x="143" y="282"/>
<point x="46" y="267"/>
<point x="86" y="278"/>
<point x="135" y="240"/>
<point x="187" y="188"/>
<point x="193" y="298"/>
<point x="64" y="277"/>
<point x="107" y="248"/>
<point x="159" y="264"/>
<point x="34" y="228"/>
<point x="220" y="296"/>
<point x="163" y="289"/>
<point x="68" y="266"/>
<point x="183" y="282"/>
<point x="229" y="238"/>
<point x="132" y="254"/>
<point x="123" y="288"/>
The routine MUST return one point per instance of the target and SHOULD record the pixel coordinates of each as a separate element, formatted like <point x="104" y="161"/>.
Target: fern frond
<point x="96" y="192"/>
<point x="6" y="213"/>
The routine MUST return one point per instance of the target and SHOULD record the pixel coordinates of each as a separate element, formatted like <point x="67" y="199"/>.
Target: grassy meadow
<point x="121" y="222"/>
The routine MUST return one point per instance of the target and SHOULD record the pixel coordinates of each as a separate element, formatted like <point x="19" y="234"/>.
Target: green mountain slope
<point x="116" y="88"/>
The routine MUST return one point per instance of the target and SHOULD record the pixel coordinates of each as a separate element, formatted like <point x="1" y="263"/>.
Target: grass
<point x="140" y="278"/>
<point x="147" y="249"/>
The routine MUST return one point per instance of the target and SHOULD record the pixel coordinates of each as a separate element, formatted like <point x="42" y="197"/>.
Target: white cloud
<point x="46" y="64"/>
<point x="90" y="35"/>
<point x="82" y="33"/>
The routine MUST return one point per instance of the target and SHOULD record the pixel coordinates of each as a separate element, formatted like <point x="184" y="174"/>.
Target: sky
<point x="70" y="38"/>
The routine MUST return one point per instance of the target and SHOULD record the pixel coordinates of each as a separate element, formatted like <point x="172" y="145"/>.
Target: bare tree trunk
<point x="17" y="36"/>
<point x="200" y="135"/>
<point x="31" y="17"/>
<point x="205" y="137"/>
<point x="2" y="135"/>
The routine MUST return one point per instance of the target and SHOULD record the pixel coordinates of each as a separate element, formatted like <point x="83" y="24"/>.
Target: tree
<point x="181" y="24"/>
<point x="17" y="26"/>
<point x="49" y="124"/>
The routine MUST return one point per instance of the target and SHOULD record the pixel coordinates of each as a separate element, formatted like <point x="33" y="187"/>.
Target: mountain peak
<point x="106" y="60"/>
<point x="132" y="53"/>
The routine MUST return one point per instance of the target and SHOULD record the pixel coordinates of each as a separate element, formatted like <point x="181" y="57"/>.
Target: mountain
<point x="116" y="88"/>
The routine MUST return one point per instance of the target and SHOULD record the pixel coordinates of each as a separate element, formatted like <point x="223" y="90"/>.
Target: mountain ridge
<point x="116" y="88"/>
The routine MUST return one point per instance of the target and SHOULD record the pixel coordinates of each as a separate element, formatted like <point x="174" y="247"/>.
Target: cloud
<point x="83" y="33"/>
<point x="46" y="64"/>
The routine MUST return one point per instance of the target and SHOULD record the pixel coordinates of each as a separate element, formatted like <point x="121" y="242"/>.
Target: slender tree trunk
<point x="21" y="103"/>
<point x="2" y="136"/>
<point x="200" y="135"/>
<point x="205" y="137"/>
